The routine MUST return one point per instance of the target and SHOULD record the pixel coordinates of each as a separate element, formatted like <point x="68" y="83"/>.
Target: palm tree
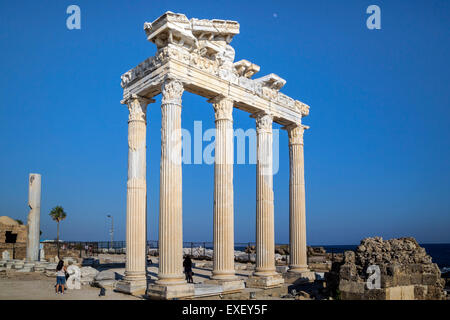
<point x="58" y="215"/>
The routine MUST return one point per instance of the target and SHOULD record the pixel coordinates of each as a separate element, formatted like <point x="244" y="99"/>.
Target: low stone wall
<point x="406" y="272"/>
<point x="16" y="250"/>
<point x="51" y="250"/>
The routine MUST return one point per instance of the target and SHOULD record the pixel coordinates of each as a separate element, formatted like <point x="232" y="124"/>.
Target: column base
<point x="225" y="276"/>
<point x="264" y="282"/>
<point x="168" y="292"/>
<point x="229" y="285"/>
<point x="133" y="287"/>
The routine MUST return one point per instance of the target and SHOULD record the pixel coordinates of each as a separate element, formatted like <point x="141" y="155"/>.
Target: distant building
<point x="13" y="237"/>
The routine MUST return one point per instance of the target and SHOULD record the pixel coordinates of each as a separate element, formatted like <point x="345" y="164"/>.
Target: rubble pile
<point x="406" y="272"/>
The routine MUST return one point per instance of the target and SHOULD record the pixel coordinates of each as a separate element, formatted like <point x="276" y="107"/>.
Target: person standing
<point x="60" y="276"/>
<point x="187" y="264"/>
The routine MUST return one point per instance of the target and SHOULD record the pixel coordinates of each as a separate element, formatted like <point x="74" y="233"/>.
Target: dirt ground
<point x="36" y="286"/>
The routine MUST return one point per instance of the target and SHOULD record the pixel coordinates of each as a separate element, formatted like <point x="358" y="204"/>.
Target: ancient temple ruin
<point x="196" y="56"/>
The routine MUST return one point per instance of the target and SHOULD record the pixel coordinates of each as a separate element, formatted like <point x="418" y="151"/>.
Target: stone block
<point x="402" y="279"/>
<point x="282" y="269"/>
<point x="347" y="272"/>
<point x="387" y="281"/>
<point x="352" y="286"/>
<point x="107" y="284"/>
<point x="400" y="293"/>
<point x="227" y="286"/>
<point x="429" y="279"/>
<point x="5" y="255"/>
<point x="137" y="287"/>
<point x="169" y="292"/>
<point x="264" y="282"/>
<point x="88" y="272"/>
<point x="105" y="275"/>
<point x="415" y="278"/>
<point x="420" y="292"/>
<point x="375" y="294"/>
<point x="434" y="293"/>
<point x="73" y="282"/>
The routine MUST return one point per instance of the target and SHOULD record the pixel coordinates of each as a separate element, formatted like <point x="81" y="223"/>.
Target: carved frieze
<point x="210" y="53"/>
<point x="303" y="108"/>
<point x="245" y="68"/>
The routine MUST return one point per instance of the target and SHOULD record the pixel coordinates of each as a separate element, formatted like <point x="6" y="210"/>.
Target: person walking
<point x="60" y="276"/>
<point x="187" y="264"/>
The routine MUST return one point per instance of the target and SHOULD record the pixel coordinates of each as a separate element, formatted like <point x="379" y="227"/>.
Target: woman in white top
<point x="60" y="276"/>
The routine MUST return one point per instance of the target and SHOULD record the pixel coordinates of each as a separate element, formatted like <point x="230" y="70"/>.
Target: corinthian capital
<point x="264" y="122"/>
<point x="295" y="133"/>
<point x="172" y="90"/>
<point x="223" y="107"/>
<point x="137" y="106"/>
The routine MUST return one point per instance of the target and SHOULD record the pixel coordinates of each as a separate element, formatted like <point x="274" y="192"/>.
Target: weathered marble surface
<point x="34" y="202"/>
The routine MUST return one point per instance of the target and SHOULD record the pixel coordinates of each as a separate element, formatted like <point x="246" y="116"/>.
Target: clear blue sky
<point x="376" y="156"/>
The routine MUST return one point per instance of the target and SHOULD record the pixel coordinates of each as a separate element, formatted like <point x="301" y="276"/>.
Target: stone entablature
<point x="197" y="52"/>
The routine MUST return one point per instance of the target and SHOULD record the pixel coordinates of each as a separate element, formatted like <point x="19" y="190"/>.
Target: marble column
<point x="135" y="267"/>
<point x="34" y="202"/>
<point x="223" y="261"/>
<point x="297" y="220"/>
<point x="170" y="201"/>
<point x="265" y="238"/>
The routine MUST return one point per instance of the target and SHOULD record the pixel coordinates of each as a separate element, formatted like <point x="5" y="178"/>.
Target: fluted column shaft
<point x="297" y="219"/>
<point x="34" y="202"/>
<point x="170" y="210"/>
<point x="265" y="238"/>
<point x="135" y="267"/>
<point x="223" y="261"/>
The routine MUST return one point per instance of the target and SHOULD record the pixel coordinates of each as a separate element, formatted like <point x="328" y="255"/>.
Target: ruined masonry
<point x="406" y="272"/>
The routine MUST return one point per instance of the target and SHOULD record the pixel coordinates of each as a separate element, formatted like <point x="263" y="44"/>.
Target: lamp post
<point x="111" y="232"/>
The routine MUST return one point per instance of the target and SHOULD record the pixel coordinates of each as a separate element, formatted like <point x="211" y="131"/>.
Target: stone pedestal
<point x="135" y="266"/>
<point x="168" y="292"/>
<point x="228" y="286"/>
<point x="135" y="287"/>
<point x="265" y="282"/>
<point x="223" y="259"/>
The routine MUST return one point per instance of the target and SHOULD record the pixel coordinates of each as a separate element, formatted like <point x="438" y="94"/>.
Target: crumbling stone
<point x="406" y="272"/>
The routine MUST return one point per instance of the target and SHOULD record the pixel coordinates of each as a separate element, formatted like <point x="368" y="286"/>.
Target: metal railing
<point x="200" y="248"/>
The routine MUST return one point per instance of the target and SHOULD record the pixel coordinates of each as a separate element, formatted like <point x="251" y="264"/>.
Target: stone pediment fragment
<point x="302" y="107"/>
<point x="214" y="30"/>
<point x="245" y="68"/>
<point x="173" y="28"/>
<point x="271" y="81"/>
